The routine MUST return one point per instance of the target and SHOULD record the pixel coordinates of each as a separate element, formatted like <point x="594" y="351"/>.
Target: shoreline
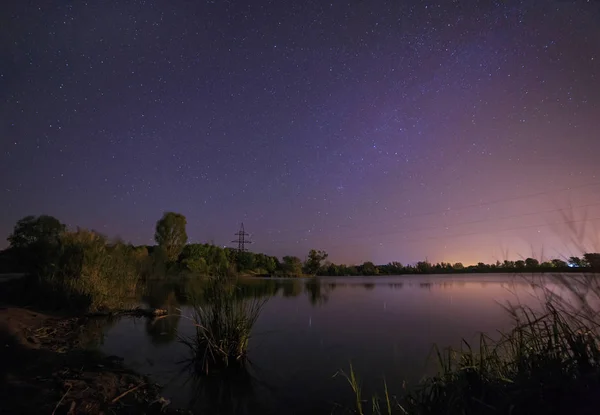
<point x="46" y="368"/>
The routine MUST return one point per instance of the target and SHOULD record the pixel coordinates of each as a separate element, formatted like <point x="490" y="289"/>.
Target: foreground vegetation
<point x="223" y="324"/>
<point x="549" y="363"/>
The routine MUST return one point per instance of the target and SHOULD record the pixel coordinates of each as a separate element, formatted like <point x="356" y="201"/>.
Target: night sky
<point x="376" y="130"/>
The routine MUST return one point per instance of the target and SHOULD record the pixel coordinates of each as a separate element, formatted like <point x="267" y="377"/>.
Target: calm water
<point x="385" y="326"/>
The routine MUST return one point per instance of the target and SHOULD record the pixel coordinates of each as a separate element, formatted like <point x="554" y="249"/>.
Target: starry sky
<point x="376" y="130"/>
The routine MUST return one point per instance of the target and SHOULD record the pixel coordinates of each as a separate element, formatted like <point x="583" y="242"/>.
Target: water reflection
<point x="310" y="329"/>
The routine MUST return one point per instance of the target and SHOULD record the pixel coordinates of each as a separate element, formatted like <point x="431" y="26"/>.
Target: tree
<point x="423" y="267"/>
<point x="292" y="265"/>
<point x="33" y="230"/>
<point x="592" y="260"/>
<point x="458" y="266"/>
<point x="246" y="261"/>
<point x="508" y="264"/>
<point x="313" y="263"/>
<point x="368" y="268"/>
<point x="559" y="263"/>
<point x="532" y="263"/>
<point x="35" y="243"/>
<point x="577" y="262"/>
<point x="520" y="264"/>
<point x="170" y="234"/>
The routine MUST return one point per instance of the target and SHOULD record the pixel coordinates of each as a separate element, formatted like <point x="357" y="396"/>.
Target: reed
<point x="223" y="323"/>
<point x="548" y="363"/>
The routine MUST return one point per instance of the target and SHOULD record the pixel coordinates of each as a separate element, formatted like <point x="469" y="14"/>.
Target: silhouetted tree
<point x="35" y="241"/>
<point x="559" y="263"/>
<point x="520" y="264"/>
<point x="171" y="235"/>
<point x="532" y="263"/>
<point x="508" y="264"/>
<point x="575" y="261"/>
<point x="423" y="266"/>
<point x="292" y="265"/>
<point x="368" y="268"/>
<point x="458" y="266"/>
<point x="592" y="260"/>
<point x="313" y="262"/>
<point x="33" y="230"/>
<point x="245" y="261"/>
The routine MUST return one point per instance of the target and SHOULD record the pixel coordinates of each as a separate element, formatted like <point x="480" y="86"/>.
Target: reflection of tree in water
<point x="396" y="285"/>
<point x="426" y="285"/>
<point x="317" y="293"/>
<point x="369" y="285"/>
<point x="292" y="288"/>
<point x="257" y="288"/>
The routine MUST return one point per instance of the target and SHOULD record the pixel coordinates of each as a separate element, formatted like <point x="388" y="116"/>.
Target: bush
<point x="91" y="273"/>
<point x="223" y="322"/>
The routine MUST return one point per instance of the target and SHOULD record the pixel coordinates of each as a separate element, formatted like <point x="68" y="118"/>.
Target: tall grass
<point x="549" y="363"/>
<point x="90" y="273"/>
<point x="223" y="323"/>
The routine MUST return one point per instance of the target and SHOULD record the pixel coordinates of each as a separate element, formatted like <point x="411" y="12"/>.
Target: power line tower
<point x="241" y="239"/>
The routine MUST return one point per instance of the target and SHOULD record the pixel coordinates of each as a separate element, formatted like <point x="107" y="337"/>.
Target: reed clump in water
<point x="223" y="323"/>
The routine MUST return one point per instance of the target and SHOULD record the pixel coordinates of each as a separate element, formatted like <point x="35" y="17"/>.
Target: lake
<point x="310" y="329"/>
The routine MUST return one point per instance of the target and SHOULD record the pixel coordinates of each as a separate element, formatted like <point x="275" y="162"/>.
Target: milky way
<point x="374" y="130"/>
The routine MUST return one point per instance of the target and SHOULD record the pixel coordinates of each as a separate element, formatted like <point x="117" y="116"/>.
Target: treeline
<point x="85" y="269"/>
<point x="588" y="262"/>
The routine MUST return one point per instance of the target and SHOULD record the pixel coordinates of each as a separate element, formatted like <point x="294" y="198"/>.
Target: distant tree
<point x="546" y="265"/>
<point x="532" y="263"/>
<point x="577" y="262"/>
<point x="171" y="235"/>
<point x="508" y="264"/>
<point x="292" y="265"/>
<point x="246" y="261"/>
<point x="368" y="268"/>
<point x="520" y="264"/>
<point x="394" y="268"/>
<point x="33" y="230"/>
<point x="424" y="267"/>
<point x="592" y="260"/>
<point x="34" y="243"/>
<point x="351" y="270"/>
<point x="313" y="262"/>
<point x="558" y="263"/>
<point x="458" y="266"/>
<point x="192" y="257"/>
<point x="330" y="269"/>
<point x="265" y="263"/>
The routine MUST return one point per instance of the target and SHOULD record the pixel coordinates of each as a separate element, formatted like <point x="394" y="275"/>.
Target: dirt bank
<point x="45" y="369"/>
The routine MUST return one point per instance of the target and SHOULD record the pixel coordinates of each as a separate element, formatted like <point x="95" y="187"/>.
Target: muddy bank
<point x="45" y="368"/>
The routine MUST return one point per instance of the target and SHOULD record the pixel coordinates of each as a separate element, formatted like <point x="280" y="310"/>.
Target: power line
<point x="433" y="228"/>
<point x="481" y="204"/>
<point x="458" y="235"/>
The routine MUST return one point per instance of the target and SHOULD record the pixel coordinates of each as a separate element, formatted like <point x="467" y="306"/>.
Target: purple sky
<point x="375" y="130"/>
